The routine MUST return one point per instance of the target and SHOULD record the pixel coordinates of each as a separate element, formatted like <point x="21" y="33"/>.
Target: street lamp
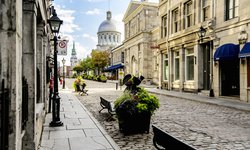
<point x="201" y="33"/>
<point x="63" y="61"/>
<point x="55" y="24"/>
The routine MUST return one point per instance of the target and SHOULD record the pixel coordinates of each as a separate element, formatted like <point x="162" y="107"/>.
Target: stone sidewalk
<point x="80" y="131"/>
<point x="220" y="101"/>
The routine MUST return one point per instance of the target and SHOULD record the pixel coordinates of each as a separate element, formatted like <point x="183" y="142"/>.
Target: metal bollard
<point x="116" y="86"/>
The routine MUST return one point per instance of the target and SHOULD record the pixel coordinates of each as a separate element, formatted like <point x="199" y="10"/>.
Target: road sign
<point x="62" y="47"/>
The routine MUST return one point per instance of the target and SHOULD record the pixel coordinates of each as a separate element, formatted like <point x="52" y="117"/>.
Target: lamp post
<point x="202" y="33"/>
<point x="63" y="61"/>
<point x="55" y="24"/>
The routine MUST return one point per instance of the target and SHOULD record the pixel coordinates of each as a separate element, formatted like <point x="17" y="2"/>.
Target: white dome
<point x="107" y="25"/>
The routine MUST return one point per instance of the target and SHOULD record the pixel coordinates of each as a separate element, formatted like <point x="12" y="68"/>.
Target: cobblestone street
<point x="204" y="126"/>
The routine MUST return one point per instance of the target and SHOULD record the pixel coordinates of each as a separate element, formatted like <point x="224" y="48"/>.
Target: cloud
<point x="82" y="51"/>
<point x="95" y="11"/>
<point x="93" y="38"/>
<point x="69" y="25"/>
<point x="96" y="1"/>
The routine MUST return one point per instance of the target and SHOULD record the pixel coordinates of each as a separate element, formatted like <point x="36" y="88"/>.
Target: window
<point x="206" y="9"/>
<point x="175" y="18"/>
<point x="232" y="7"/>
<point x="122" y="57"/>
<point x="177" y="66"/>
<point x="188" y="14"/>
<point x="165" y="67"/>
<point x="190" y="64"/>
<point x="164" y="26"/>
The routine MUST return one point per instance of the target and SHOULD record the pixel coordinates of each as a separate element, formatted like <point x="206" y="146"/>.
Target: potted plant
<point x="135" y="107"/>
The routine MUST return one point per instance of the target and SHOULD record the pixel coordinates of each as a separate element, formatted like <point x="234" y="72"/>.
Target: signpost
<point x="62" y="47"/>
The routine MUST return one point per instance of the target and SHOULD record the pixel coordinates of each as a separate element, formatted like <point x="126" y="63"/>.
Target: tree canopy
<point x="100" y="59"/>
<point x="78" y="68"/>
<point x="97" y="61"/>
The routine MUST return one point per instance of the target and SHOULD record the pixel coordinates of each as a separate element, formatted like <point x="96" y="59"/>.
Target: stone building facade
<point x="116" y="65"/>
<point x="231" y="72"/>
<point x="186" y="59"/>
<point x="24" y="49"/>
<point x="139" y="20"/>
<point x="216" y="63"/>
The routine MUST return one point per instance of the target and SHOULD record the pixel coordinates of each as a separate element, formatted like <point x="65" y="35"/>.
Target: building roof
<point x="108" y="25"/>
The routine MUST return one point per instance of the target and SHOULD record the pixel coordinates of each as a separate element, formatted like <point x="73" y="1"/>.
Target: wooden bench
<point x="105" y="104"/>
<point x="81" y="90"/>
<point x="163" y="140"/>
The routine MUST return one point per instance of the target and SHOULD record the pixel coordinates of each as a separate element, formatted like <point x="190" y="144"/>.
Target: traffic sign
<point x="62" y="47"/>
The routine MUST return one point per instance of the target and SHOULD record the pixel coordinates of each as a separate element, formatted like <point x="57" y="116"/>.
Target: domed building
<point x="108" y="35"/>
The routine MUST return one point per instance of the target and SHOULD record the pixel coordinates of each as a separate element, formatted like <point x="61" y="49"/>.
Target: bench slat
<point x="165" y="140"/>
<point x="107" y="105"/>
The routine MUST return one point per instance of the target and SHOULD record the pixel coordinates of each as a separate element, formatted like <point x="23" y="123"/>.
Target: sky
<point x="81" y="20"/>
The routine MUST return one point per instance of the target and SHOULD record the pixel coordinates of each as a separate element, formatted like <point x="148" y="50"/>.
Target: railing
<point x="25" y="100"/>
<point x="4" y="117"/>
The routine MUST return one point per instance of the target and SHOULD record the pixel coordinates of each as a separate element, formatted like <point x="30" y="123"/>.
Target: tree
<point x="78" y="69"/>
<point x="87" y="64"/>
<point x="100" y="59"/>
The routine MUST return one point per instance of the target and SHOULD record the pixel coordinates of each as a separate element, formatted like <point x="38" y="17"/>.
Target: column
<point x="11" y="67"/>
<point x="46" y="53"/>
<point x="29" y="69"/>
<point x="40" y="62"/>
<point x="182" y="68"/>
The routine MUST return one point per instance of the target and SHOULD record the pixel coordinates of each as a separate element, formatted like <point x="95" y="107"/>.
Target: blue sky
<point x="81" y="19"/>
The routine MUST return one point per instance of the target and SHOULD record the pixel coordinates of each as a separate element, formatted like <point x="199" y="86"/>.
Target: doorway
<point x="206" y="66"/>
<point x="229" y="75"/>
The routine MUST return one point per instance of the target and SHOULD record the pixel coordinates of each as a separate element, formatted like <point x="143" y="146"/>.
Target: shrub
<point x="136" y="99"/>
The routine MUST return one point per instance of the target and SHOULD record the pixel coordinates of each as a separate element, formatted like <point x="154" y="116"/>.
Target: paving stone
<point x="206" y="125"/>
<point x="89" y="143"/>
<point x="66" y="134"/>
<point x="93" y="132"/>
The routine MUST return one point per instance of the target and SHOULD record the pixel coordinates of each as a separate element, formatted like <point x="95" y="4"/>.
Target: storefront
<point x="244" y="56"/>
<point x="227" y="61"/>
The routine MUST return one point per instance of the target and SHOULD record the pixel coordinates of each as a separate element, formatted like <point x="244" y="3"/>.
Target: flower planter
<point x="135" y="107"/>
<point x="134" y="123"/>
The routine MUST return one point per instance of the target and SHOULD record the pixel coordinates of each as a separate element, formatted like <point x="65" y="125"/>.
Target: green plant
<point x="136" y="99"/>
<point x="103" y="78"/>
<point x="147" y="102"/>
<point x="125" y="96"/>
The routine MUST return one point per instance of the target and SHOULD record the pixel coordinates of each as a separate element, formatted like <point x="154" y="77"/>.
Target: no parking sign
<point x="62" y="47"/>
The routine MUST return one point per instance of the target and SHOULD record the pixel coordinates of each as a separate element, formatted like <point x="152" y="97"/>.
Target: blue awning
<point x="245" y="51"/>
<point x="227" y="52"/>
<point x="114" y="67"/>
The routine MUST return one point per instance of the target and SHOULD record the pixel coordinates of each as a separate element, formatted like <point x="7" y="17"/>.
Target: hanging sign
<point x="62" y="47"/>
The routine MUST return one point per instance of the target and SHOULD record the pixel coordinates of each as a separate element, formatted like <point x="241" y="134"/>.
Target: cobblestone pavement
<point x="204" y="126"/>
